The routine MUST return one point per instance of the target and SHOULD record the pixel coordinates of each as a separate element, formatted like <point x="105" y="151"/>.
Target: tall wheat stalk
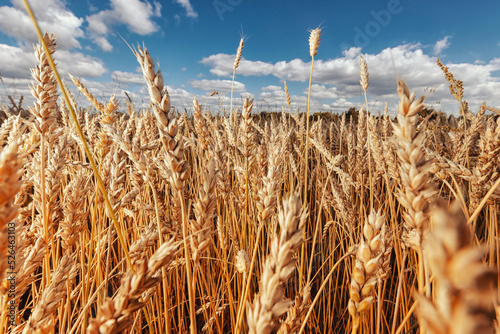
<point x="416" y="188"/>
<point x="237" y="59"/>
<point x="179" y="167"/>
<point x="314" y="40"/>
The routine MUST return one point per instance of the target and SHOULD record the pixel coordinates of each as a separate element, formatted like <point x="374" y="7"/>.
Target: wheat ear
<point x="81" y="87"/>
<point x="200" y="125"/>
<point x="45" y="93"/>
<point x="366" y="267"/>
<point x="363" y="69"/>
<point x="237" y="59"/>
<point x="204" y="210"/>
<point x="115" y="314"/>
<point x="465" y="288"/>
<point x="416" y="187"/>
<point x="297" y="312"/>
<point x="270" y="304"/>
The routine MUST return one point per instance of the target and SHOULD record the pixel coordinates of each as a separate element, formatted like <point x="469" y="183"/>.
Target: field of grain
<point x="160" y="221"/>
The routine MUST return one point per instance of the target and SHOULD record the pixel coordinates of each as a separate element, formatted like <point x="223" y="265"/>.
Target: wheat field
<point x="160" y="221"/>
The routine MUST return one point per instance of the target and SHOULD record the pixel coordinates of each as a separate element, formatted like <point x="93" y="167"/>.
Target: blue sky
<point x="195" y="42"/>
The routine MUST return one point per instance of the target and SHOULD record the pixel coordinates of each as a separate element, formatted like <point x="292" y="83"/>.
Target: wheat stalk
<point x="180" y="168"/>
<point x="236" y="63"/>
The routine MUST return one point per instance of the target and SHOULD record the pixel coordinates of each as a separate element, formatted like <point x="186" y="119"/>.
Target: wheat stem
<point x="323" y="285"/>
<point x="187" y="254"/>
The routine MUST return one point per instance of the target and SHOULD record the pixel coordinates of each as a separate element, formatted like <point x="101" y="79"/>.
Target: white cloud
<point x="157" y="9"/>
<point x="338" y="79"/>
<point x="52" y="16"/>
<point x="272" y="93"/>
<point x="272" y="88"/>
<point x="16" y="88"/>
<point x="91" y="6"/>
<point x="15" y="62"/>
<point x="177" y="19"/>
<point x="352" y="52"/>
<point x="97" y="22"/>
<point x="128" y="77"/>
<point x="342" y="104"/>
<point x="222" y="65"/>
<point x="79" y="65"/>
<point x="103" y="43"/>
<point x="441" y="45"/>
<point x="217" y="85"/>
<point x="136" y="15"/>
<point x="342" y="72"/>
<point x="323" y="92"/>
<point x="190" y="12"/>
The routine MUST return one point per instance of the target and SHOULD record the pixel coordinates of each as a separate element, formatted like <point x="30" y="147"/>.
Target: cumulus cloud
<point x="103" y="43"/>
<point x="80" y="65"/>
<point x="441" y="45"/>
<point x="136" y="15"/>
<point x="341" y="104"/>
<point x="222" y="65"/>
<point x="351" y="53"/>
<point x="323" y="92"/>
<point x="337" y="79"/>
<point x="15" y="62"/>
<point x="52" y="15"/>
<point x="273" y="93"/>
<point x="190" y="12"/>
<point x="16" y="88"/>
<point x="128" y="77"/>
<point x="217" y="85"/>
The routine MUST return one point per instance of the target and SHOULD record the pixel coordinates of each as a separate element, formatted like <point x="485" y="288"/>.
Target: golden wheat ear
<point x="370" y="256"/>
<point x="465" y="289"/>
<point x="267" y="308"/>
